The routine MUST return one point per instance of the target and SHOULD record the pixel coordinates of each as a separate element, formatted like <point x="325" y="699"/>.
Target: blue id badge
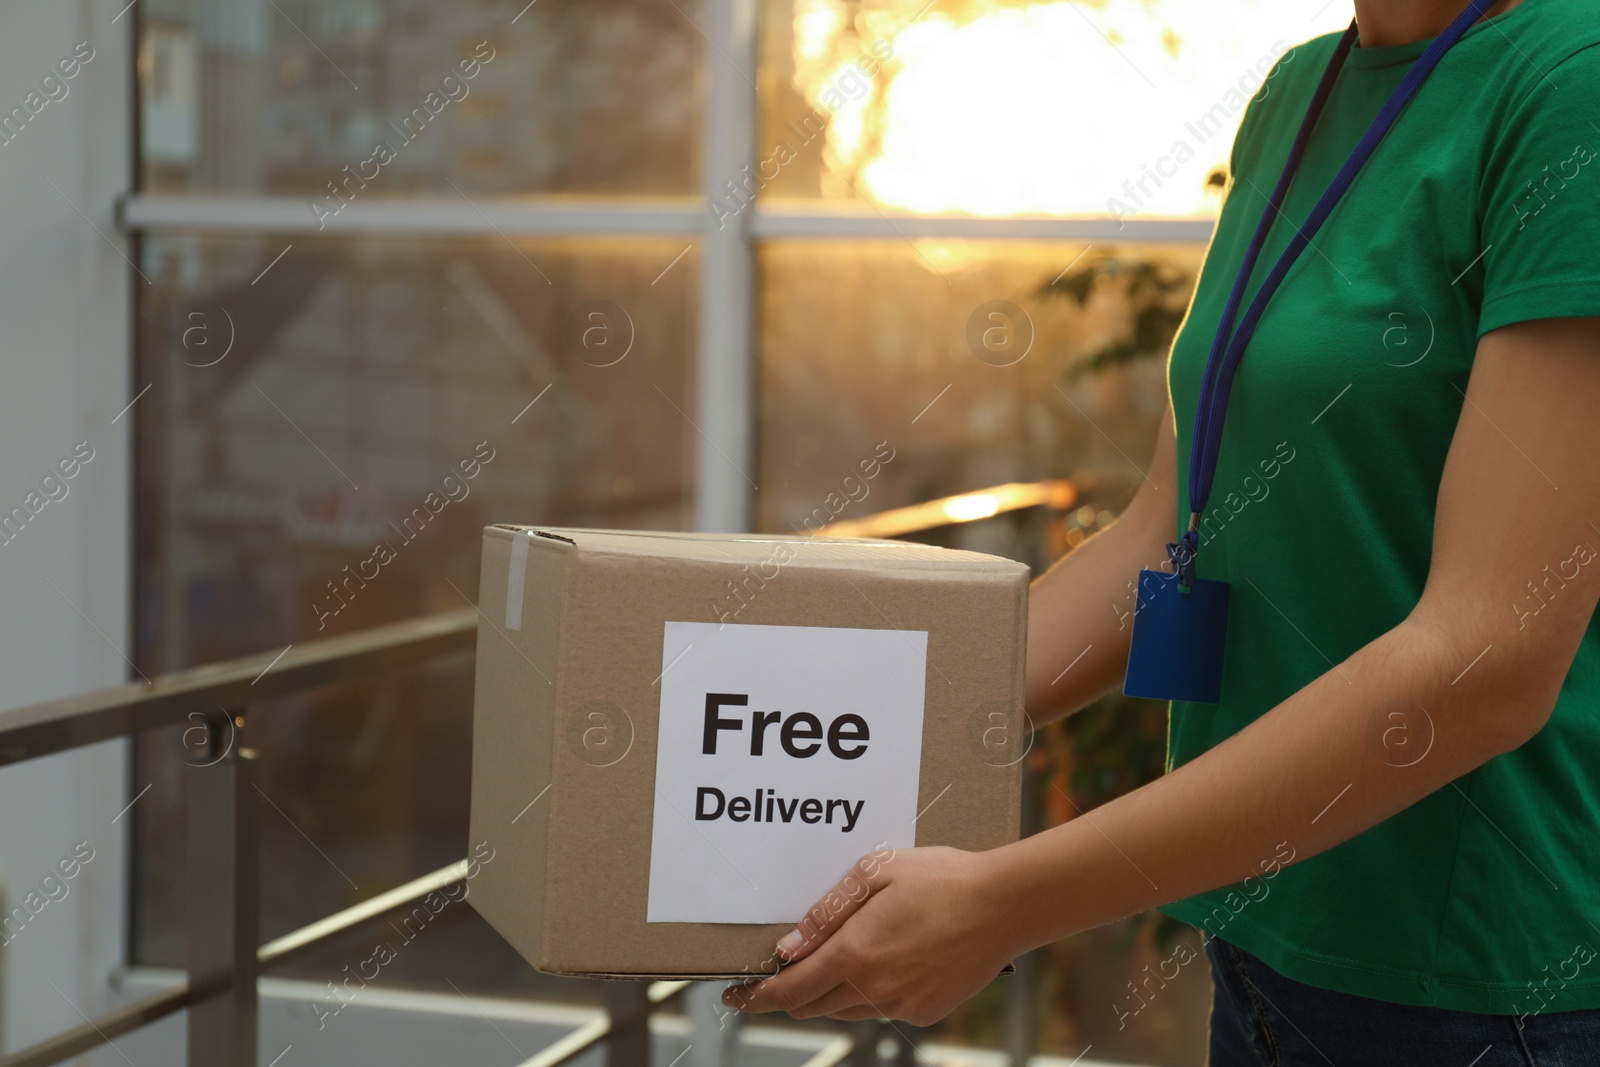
<point x="1178" y="639"/>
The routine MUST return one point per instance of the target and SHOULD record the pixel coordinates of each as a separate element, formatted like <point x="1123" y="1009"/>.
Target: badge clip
<point x="1180" y="630"/>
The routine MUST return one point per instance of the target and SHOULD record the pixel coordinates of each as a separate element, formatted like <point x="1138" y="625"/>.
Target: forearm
<point x="1080" y="613"/>
<point x="1080" y="619"/>
<point x="1313" y="772"/>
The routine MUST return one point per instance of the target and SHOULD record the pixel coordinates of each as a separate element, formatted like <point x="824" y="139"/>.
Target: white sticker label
<point x="785" y="753"/>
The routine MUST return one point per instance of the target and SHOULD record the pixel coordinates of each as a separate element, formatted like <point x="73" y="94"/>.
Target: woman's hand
<point x="908" y="937"/>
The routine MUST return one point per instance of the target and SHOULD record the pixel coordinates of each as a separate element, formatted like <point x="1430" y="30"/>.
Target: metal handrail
<point x="57" y="725"/>
<point x="1058" y="494"/>
<point x="274" y="953"/>
<point x="225" y="988"/>
<point x="830" y="1055"/>
<point x="290" y="946"/>
<point x="218" y="691"/>
<point x="102" y="1030"/>
<point x="591" y="1034"/>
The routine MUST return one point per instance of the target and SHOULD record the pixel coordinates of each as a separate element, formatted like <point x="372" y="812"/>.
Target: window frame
<point x="724" y="364"/>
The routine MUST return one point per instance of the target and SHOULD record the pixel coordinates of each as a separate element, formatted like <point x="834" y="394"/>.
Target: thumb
<point x="866" y="876"/>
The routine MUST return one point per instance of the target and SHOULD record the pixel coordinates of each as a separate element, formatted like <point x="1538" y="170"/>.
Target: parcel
<point x="682" y="741"/>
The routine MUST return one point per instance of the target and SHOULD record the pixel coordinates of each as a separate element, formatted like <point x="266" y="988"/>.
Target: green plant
<point x="1156" y="293"/>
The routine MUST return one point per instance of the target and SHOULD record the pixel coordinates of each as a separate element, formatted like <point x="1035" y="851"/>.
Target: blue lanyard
<point x="1228" y="350"/>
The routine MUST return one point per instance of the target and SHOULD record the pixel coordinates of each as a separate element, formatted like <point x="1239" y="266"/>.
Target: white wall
<point x="64" y="375"/>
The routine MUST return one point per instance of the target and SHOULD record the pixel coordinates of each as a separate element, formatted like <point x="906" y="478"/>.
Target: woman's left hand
<point x="923" y="931"/>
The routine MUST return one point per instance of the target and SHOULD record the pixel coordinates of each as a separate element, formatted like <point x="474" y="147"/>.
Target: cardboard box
<point x="682" y="741"/>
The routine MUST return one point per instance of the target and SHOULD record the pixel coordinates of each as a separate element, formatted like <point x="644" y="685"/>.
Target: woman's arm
<point x="1520" y="492"/>
<point x="1080" y="612"/>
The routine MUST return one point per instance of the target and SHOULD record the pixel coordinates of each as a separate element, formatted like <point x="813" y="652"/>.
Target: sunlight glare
<point x="1054" y="107"/>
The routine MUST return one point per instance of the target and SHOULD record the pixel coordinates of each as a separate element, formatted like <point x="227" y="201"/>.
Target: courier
<point x="669" y="790"/>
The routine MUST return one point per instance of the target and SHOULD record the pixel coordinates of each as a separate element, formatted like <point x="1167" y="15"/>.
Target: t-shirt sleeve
<point x="1243" y="139"/>
<point x="1277" y="86"/>
<point x="1541" y="202"/>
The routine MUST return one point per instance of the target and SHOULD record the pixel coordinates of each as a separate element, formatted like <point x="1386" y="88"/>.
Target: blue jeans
<point x="1259" y="1018"/>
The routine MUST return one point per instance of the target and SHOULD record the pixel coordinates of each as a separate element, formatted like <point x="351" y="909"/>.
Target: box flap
<point x="750" y="547"/>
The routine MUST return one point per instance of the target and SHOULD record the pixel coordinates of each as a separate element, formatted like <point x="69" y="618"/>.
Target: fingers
<point x="856" y="1014"/>
<point x="815" y="980"/>
<point x="792" y="988"/>
<point x="866" y="875"/>
<point x="842" y="997"/>
<point x="843" y="1001"/>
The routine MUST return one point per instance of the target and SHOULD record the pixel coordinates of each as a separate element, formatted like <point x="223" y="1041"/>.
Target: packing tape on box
<point x="514" y="580"/>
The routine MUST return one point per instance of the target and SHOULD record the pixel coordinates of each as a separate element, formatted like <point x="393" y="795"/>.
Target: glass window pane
<point x="1000" y="107"/>
<point x="979" y="363"/>
<point x="324" y="437"/>
<point x="408" y="97"/>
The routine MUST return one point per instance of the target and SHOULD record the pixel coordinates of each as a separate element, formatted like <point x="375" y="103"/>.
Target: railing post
<point x="1021" y="1013"/>
<point x="1020" y="1017"/>
<point x="864" y="1035"/>
<point x="905" y="1050"/>
<point x="713" y="1029"/>
<point x="628" y="1003"/>
<point x="223" y="900"/>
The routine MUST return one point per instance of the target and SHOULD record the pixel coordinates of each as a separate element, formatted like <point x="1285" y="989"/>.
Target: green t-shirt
<point x="1480" y="209"/>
